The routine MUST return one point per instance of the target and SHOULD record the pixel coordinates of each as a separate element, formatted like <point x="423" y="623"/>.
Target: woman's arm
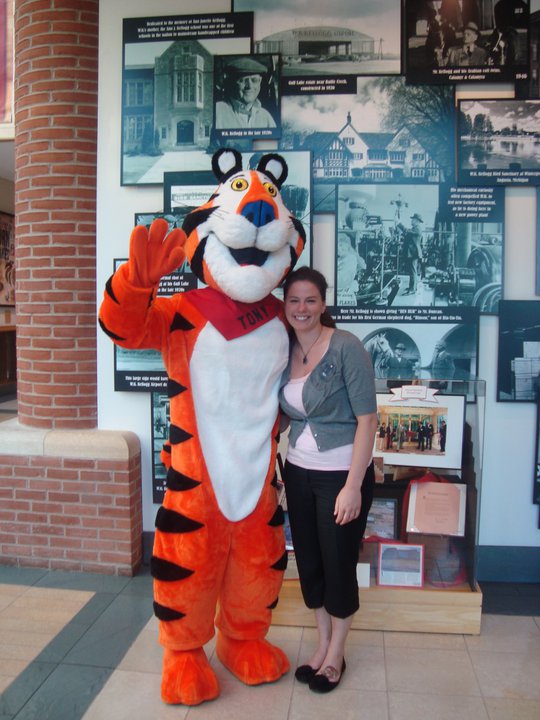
<point x="349" y="500"/>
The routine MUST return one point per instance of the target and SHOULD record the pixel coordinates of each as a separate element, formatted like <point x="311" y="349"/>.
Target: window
<point x="139" y="92"/>
<point x="419" y="157"/>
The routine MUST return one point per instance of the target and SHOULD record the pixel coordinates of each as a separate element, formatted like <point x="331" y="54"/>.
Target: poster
<point x="518" y="369"/>
<point x="322" y="52"/>
<point x="467" y="41"/>
<point x="419" y="246"/>
<point x="7" y="259"/>
<point x="168" y="89"/>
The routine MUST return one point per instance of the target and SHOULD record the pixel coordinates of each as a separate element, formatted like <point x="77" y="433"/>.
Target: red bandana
<point x="233" y="319"/>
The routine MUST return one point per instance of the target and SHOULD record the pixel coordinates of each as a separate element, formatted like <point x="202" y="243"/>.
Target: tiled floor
<point x="84" y="647"/>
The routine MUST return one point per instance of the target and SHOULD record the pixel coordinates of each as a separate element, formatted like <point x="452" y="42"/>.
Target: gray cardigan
<point x="340" y="387"/>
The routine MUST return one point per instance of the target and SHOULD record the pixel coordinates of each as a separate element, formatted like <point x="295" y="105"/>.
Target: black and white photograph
<point x="247" y="97"/>
<point x="518" y="370"/>
<point x="7" y="259"/>
<point x="387" y="132"/>
<point x="160" y="414"/>
<point x="450" y="41"/>
<point x="530" y="87"/>
<point x="168" y="89"/>
<point x="419" y="246"/>
<point x="185" y="191"/>
<point x="498" y="142"/>
<point x="537" y="241"/>
<point x="437" y="345"/>
<point x="536" y="484"/>
<point x="421" y="433"/>
<point x="324" y="46"/>
<point x="401" y="565"/>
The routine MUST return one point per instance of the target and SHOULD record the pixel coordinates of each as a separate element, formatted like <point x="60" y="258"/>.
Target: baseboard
<point x="508" y="564"/>
<point x="147" y="543"/>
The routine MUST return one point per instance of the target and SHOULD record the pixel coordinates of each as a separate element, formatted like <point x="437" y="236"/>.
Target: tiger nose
<point x="258" y="212"/>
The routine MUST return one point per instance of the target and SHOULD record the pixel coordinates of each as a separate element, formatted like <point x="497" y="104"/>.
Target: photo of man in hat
<point x="241" y="107"/>
<point x="469" y="54"/>
<point x="412" y="252"/>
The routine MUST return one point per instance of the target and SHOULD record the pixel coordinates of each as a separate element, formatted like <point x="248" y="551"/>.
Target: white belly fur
<point x="235" y="386"/>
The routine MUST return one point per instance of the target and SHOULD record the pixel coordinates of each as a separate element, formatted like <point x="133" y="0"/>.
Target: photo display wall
<point x="364" y="111"/>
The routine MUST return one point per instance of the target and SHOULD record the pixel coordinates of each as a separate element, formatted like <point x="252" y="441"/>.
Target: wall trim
<point x="498" y="563"/>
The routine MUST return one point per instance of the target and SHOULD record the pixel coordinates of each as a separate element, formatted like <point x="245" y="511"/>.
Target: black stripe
<point x="167" y="448"/>
<point x="273" y="604"/>
<point x="169" y="521"/>
<point x="281" y="564"/>
<point x="177" y="435"/>
<point x="167" y="614"/>
<point x="109" y="332"/>
<point x="174" y="388"/>
<point x="180" y="482"/>
<point x="168" y="571"/>
<point x="196" y="218"/>
<point x="196" y="262"/>
<point x="298" y="227"/>
<point x="275" y="482"/>
<point x="180" y="323"/>
<point x="109" y="290"/>
<point x="278" y="518"/>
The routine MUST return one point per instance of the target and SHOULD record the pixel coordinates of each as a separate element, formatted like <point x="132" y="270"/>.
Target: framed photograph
<point x="7" y="259"/>
<point x="536" y="483"/>
<point x="160" y="418"/>
<point x="437" y="508"/>
<point x="325" y="57"/>
<point x="382" y="519"/>
<point x="246" y="97"/>
<point x="401" y="565"/>
<point x="449" y="41"/>
<point x="498" y="142"/>
<point x="419" y="246"/>
<point x="518" y="369"/>
<point x="184" y="191"/>
<point x="168" y="89"/>
<point x="437" y="345"/>
<point x="538" y="241"/>
<point x="420" y="432"/>
<point x="386" y="132"/>
<point x="7" y="114"/>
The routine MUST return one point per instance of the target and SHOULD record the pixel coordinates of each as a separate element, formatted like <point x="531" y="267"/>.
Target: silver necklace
<point x="310" y="348"/>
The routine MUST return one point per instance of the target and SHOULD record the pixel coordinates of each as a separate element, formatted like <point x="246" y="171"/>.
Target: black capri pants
<point x="326" y="553"/>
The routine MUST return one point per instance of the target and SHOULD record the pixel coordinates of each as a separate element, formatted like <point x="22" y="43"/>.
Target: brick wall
<point x="67" y="513"/>
<point x="56" y="75"/>
<point x="70" y="495"/>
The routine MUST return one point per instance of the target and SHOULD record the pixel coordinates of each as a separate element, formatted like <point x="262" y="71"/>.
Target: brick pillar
<point x="70" y="495"/>
<point x="56" y="96"/>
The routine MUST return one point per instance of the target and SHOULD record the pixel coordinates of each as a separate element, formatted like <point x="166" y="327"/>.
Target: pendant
<point x="304" y="361"/>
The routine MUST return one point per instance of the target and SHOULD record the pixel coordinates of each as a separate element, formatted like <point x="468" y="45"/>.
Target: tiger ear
<point x="226" y="162"/>
<point x="275" y="167"/>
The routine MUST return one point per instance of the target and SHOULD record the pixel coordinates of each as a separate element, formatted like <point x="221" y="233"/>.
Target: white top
<point x="306" y="453"/>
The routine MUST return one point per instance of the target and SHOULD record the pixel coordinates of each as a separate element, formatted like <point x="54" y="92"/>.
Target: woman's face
<point x="304" y="305"/>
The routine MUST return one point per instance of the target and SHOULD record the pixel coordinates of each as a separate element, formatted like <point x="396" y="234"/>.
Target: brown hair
<point x="315" y="277"/>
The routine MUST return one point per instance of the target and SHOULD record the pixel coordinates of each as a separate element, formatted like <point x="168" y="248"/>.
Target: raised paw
<point x="252" y="661"/>
<point x="187" y="678"/>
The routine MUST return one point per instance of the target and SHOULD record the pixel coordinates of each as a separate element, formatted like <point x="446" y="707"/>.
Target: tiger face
<point x="244" y="241"/>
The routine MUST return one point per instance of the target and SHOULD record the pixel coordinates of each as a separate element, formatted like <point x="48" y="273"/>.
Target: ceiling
<point x="7" y="160"/>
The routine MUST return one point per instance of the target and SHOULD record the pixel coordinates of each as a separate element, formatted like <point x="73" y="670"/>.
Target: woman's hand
<point x="348" y="504"/>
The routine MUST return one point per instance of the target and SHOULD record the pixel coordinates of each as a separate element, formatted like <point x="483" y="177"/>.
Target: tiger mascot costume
<point x="219" y="542"/>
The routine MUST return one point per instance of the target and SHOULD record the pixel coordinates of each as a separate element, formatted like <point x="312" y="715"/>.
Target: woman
<point x="328" y="394"/>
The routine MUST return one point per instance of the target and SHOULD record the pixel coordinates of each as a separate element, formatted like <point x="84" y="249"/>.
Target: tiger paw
<point x="252" y="661"/>
<point x="187" y="678"/>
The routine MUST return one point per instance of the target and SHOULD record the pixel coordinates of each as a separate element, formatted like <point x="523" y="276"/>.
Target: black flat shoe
<point x="327" y="680"/>
<point x="304" y="673"/>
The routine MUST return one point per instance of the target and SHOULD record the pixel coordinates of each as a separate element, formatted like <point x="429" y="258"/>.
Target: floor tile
<point x="108" y="639"/>
<point x="21" y="576"/>
<point x="66" y="694"/>
<point x="83" y="581"/>
<point x="500" y="633"/>
<point x="424" y="641"/>
<point x="412" y="706"/>
<point x="507" y="675"/>
<point x="133" y="696"/>
<point x="24" y="687"/>
<point x="506" y="709"/>
<point x="341" y="703"/>
<point x="434" y="672"/>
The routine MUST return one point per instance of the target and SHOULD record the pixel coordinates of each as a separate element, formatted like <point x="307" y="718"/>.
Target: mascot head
<point x="244" y="241"/>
